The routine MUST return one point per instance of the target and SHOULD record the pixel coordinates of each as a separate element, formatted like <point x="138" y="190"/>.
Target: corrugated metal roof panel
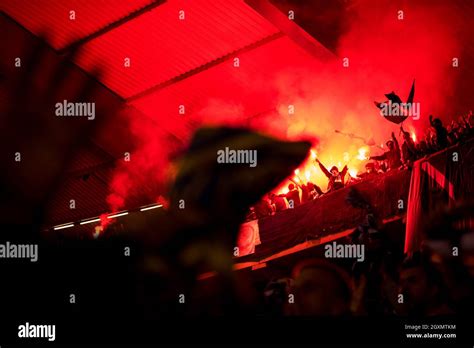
<point x="51" y="17"/>
<point x="224" y="92"/>
<point x="90" y="196"/>
<point x="89" y="156"/>
<point x="161" y="46"/>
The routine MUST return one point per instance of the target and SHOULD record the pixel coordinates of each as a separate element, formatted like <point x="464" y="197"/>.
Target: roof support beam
<point x="206" y="66"/>
<point x="291" y="29"/>
<point x="110" y="27"/>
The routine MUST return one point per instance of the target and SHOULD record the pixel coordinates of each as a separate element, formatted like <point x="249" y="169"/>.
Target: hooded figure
<point x="336" y="178"/>
<point x="392" y="156"/>
<point x="409" y="152"/>
<point x="441" y="133"/>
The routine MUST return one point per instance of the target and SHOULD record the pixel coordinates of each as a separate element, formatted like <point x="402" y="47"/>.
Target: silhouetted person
<point x="276" y="296"/>
<point x="422" y="148"/>
<point x="422" y="288"/>
<point x="370" y="171"/>
<point x="293" y="195"/>
<point x="336" y="178"/>
<point x="322" y="289"/>
<point x="392" y="156"/>
<point x="441" y="133"/>
<point x="305" y="193"/>
<point x="263" y="208"/>
<point x="314" y="190"/>
<point x="409" y="152"/>
<point x="279" y="202"/>
<point x="309" y="191"/>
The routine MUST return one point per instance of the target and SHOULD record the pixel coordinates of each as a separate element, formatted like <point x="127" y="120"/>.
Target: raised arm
<point x="294" y="182"/>
<point x="395" y="141"/>
<point x="323" y="168"/>
<point x="379" y="158"/>
<point x="431" y="121"/>
<point x="344" y="171"/>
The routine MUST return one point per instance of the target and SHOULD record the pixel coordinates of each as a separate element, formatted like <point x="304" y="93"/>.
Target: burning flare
<point x="363" y="154"/>
<point x="413" y="134"/>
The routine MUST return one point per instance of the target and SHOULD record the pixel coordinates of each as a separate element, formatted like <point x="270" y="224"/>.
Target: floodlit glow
<point x="89" y="221"/>
<point x="103" y="220"/>
<point x="309" y="171"/>
<point x="152" y="207"/>
<point x="343" y="103"/>
<point x="362" y="154"/>
<point x="117" y="215"/>
<point x="63" y="226"/>
<point x="98" y="230"/>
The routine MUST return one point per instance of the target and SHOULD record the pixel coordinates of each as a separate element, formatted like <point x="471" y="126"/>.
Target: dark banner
<point x="440" y="180"/>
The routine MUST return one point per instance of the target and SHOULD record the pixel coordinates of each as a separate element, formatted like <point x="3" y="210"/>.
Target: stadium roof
<point x="180" y="53"/>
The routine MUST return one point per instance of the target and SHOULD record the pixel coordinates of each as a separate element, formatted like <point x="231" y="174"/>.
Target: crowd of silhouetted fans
<point x="438" y="280"/>
<point x="436" y="138"/>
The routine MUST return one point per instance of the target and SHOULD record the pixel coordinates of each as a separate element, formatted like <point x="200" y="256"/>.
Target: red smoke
<point x="104" y="221"/>
<point x="385" y="53"/>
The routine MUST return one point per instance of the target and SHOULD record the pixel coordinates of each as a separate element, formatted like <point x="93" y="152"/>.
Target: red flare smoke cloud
<point x="385" y="54"/>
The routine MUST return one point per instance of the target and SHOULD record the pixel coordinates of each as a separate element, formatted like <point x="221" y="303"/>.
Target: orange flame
<point x="413" y="135"/>
<point x="363" y="153"/>
<point x="309" y="171"/>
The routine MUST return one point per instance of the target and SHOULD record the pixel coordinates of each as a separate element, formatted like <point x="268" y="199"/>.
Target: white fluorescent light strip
<point x="109" y="217"/>
<point x="117" y="215"/>
<point x="89" y="221"/>
<point x="63" y="226"/>
<point x="152" y="207"/>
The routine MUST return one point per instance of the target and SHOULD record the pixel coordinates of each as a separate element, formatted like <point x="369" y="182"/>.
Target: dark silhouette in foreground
<point x="208" y="202"/>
